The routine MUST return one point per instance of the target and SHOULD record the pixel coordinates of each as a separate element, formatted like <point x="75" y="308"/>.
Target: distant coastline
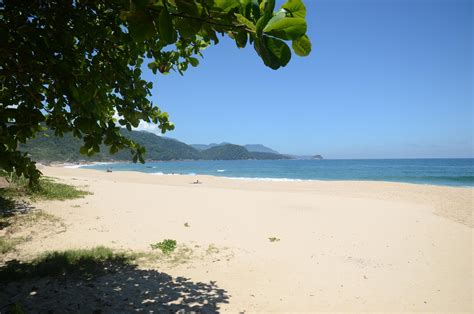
<point x="440" y="172"/>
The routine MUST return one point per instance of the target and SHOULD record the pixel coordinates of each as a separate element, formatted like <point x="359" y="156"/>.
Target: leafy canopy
<point x="76" y="66"/>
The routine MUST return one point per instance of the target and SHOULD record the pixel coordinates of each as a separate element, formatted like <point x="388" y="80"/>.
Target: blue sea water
<point x="449" y="172"/>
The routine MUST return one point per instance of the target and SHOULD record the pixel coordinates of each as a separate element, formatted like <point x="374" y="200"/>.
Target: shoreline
<point x="265" y="179"/>
<point x="453" y="202"/>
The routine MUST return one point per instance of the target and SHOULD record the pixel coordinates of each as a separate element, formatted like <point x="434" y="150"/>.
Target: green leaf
<point x="194" y="61"/>
<point x="167" y="32"/>
<point x="279" y="50"/>
<point x="113" y="149"/>
<point x="83" y="150"/>
<point x="138" y="4"/>
<point x="189" y="7"/>
<point x="187" y="28"/>
<point x="246" y="22"/>
<point x="268" y="58"/>
<point x="288" y="28"/>
<point x="225" y="5"/>
<point x="296" y="8"/>
<point x="140" y="26"/>
<point x="302" y="46"/>
<point x="267" y="6"/>
<point x="241" y="39"/>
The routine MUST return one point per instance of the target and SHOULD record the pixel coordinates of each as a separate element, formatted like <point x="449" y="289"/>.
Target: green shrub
<point x="166" y="246"/>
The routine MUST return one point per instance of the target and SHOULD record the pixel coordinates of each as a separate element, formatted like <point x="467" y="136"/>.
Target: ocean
<point x="448" y="172"/>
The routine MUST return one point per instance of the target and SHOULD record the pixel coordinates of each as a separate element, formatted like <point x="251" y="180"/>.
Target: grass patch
<point x="15" y="223"/>
<point x="8" y="244"/>
<point x="181" y="255"/>
<point x="47" y="189"/>
<point x="50" y="190"/>
<point x="166" y="246"/>
<point x="86" y="263"/>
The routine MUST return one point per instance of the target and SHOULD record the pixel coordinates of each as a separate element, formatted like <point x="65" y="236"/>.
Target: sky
<point x="385" y="79"/>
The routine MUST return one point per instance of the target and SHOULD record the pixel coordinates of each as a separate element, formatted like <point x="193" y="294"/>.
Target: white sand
<point x="345" y="246"/>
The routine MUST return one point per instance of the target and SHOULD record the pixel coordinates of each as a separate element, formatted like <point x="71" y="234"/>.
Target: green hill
<point x="49" y="148"/>
<point x="268" y="156"/>
<point x="226" y="152"/>
<point x="259" y="148"/>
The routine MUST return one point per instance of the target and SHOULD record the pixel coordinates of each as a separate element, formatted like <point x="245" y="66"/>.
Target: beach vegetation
<point x="15" y="222"/>
<point x="77" y="67"/>
<point x="8" y="244"/>
<point x="180" y="255"/>
<point x="166" y="246"/>
<point x="46" y="188"/>
<point x="212" y="249"/>
<point x="274" y="239"/>
<point x="21" y="225"/>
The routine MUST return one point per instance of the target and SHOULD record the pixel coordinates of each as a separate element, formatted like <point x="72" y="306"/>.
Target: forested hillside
<point x="47" y="147"/>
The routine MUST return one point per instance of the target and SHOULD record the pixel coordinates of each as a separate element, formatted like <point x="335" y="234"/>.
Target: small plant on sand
<point x="166" y="246"/>
<point x="186" y="225"/>
<point x="273" y="239"/>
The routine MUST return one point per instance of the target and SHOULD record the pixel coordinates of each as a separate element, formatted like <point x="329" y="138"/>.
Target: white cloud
<point x="143" y="126"/>
<point x="148" y="127"/>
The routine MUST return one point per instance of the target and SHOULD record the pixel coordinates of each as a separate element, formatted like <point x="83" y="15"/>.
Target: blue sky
<point x="386" y="79"/>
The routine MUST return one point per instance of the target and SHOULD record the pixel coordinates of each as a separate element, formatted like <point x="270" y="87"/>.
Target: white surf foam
<point x="265" y="179"/>
<point x="157" y="173"/>
<point x="72" y="166"/>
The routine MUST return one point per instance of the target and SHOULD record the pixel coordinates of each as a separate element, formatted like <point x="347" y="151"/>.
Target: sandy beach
<point x="340" y="246"/>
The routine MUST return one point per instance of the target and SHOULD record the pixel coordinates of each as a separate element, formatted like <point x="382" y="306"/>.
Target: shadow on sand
<point x="106" y="284"/>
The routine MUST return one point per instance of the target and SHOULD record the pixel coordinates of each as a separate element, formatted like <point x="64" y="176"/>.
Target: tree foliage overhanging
<point x="76" y="65"/>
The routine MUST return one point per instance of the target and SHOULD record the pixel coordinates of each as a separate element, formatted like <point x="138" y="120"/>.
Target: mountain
<point x="305" y="157"/>
<point x="268" y="156"/>
<point x="236" y="152"/>
<point x="207" y="146"/>
<point x="250" y="147"/>
<point x="160" y="148"/>
<point x="49" y="148"/>
<point x="226" y="152"/>
<point x="259" y="148"/>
